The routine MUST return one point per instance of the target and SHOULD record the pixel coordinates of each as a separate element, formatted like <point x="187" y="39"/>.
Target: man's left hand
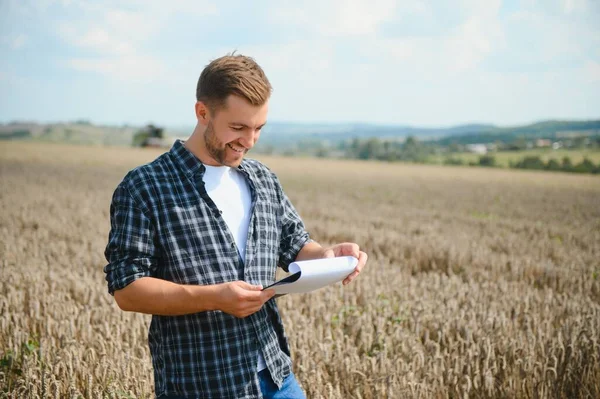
<point x="348" y="249"/>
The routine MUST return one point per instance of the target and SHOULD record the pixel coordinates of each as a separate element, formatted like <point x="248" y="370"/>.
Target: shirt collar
<point x="190" y="164"/>
<point x="187" y="162"/>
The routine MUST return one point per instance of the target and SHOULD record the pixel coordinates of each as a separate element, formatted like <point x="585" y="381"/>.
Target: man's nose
<point x="249" y="138"/>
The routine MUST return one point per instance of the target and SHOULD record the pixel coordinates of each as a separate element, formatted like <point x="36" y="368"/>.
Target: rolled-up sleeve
<point x="130" y="252"/>
<point x="293" y="234"/>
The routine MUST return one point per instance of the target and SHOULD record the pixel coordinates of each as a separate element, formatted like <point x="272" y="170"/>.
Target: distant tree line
<point x="533" y="162"/>
<point x="412" y="150"/>
<point x="553" y="130"/>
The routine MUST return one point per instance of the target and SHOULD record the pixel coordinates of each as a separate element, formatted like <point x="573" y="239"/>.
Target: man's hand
<point x="240" y="299"/>
<point x="347" y="249"/>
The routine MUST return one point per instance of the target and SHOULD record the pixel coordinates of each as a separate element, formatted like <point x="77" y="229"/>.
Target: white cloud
<point x="357" y="17"/>
<point x="97" y="39"/>
<point x="545" y="37"/>
<point x="335" y="17"/>
<point x="15" y="42"/>
<point x="591" y="72"/>
<point x="131" y="68"/>
<point x="478" y="37"/>
<point x="108" y="30"/>
<point x="476" y="34"/>
<point x="462" y="49"/>
<point x="119" y="37"/>
<point x="299" y="57"/>
<point x="416" y="61"/>
<point x="19" y="41"/>
<point x="32" y="7"/>
<point x="571" y="6"/>
<point x="11" y="79"/>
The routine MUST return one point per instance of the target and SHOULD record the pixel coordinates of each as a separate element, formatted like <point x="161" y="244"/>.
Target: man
<point x="197" y="233"/>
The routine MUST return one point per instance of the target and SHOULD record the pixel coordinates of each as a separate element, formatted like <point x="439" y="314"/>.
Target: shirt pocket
<point x="184" y="234"/>
<point x="267" y="254"/>
<point x="267" y="220"/>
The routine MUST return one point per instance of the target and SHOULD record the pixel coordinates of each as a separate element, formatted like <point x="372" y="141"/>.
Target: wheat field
<point x="480" y="283"/>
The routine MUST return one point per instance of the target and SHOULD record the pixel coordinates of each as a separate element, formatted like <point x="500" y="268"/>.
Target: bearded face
<point x="230" y="132"/>
<point x="228" y="154"/>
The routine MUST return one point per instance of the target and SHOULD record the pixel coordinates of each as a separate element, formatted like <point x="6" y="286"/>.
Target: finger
<point x="255" y="297"/>
<point x="250" y="287"/>
<point x="250" y="308"/>
<point x="354" y="250"/>
<point x="351" y="277"/>
<point x="268" y="294"/>
<point x="329" y="253"/>
<point x="244" y="313"/>
<point x="362" y="261"/>
<point x="261" y="296"/>
<point x="348" y="249"/>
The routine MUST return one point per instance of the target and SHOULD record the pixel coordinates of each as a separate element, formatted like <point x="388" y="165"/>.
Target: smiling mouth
<point x="238" y="150"/>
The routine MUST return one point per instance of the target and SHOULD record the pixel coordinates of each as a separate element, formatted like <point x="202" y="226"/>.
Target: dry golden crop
<point x="480" y="282"/>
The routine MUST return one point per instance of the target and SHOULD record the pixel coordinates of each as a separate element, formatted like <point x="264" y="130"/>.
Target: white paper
<point x="310" y="275"/>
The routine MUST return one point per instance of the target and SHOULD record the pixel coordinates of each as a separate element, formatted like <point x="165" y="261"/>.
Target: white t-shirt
<point x="230" y="192"/>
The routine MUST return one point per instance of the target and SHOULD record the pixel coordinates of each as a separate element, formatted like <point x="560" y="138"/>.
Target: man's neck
<point x="195" y="145"/>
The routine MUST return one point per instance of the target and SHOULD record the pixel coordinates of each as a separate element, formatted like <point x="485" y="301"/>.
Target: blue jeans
<point x="289" y="390"/>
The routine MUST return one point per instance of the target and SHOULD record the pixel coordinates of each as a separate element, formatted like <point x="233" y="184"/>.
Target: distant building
<point x="480" y="149"/>
<point x="543" y="143"/>
<point x="556" y="145"/>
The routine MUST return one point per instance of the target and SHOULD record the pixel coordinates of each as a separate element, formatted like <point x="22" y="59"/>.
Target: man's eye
<point x="237" y="128"/>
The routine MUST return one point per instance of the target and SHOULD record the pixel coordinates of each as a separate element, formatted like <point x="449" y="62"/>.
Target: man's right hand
<point x="240" y="299"/>
<point x="161" y="297"/>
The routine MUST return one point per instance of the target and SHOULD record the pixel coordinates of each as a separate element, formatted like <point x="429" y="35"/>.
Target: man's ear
<point x="202" y="113"/>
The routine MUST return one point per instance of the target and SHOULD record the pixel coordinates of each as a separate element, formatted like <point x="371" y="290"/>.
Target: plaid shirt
<point x="164" y="225"/>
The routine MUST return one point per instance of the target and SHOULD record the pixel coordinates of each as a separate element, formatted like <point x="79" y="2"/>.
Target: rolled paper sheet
<point x="310" y="275"/>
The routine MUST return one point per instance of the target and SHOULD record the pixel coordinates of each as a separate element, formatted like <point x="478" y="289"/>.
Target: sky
<point x="428" y="63"/>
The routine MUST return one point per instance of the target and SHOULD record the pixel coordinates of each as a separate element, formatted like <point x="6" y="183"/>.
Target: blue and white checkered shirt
<point x="164" y="225"/>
